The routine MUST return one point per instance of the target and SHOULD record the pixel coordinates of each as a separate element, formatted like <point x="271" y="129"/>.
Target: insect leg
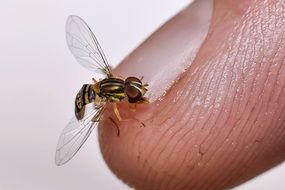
<point x="116" y="125"/>
<point x="117" y="113"/>
<point x="133" y="107"/>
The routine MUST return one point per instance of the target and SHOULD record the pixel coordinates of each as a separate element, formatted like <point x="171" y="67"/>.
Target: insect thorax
<point x="112" y="89"/>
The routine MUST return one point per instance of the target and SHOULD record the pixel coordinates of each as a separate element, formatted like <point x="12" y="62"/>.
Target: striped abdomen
<point x="85" y="96"/>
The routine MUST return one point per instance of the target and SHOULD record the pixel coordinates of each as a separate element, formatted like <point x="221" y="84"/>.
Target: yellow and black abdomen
<point x="112" y="89"/>
<point x="85" y="96"/>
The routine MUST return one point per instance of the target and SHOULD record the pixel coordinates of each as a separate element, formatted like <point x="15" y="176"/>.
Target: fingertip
<point x="196" y="136"/>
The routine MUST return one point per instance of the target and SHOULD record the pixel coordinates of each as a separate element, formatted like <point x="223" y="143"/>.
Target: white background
<point x="39" y="79"/>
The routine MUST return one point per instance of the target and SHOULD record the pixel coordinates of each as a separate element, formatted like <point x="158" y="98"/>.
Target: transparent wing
<point x="85" y="47"/>
<point x="76" y="133"/>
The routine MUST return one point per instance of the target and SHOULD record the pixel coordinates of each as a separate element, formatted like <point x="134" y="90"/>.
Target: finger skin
<point x="223" y="122"/>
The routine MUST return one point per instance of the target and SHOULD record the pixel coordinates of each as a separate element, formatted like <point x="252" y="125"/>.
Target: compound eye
<point x="133" y="79"/>
<point x="132" y="92"/>
<point x="132" y="89"/>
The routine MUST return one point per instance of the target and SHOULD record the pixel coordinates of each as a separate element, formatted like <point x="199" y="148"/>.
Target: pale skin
<point x="223" y="122"/>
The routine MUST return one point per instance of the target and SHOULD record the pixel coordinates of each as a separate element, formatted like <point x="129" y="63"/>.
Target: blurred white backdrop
<point x="39" y="78"/>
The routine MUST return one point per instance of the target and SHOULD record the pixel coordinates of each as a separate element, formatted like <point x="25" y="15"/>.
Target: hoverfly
<point x="90" y="101"/>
